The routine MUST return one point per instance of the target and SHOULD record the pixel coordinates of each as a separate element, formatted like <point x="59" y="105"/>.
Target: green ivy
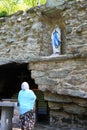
<point x="3" y="14"/>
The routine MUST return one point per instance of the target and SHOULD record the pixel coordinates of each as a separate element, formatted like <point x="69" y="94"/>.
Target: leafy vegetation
<point x="8" y="7"/>
<point x="3" y="14"/>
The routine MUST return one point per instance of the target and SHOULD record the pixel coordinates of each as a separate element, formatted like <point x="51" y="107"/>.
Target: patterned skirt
<point x="27" y="120"/>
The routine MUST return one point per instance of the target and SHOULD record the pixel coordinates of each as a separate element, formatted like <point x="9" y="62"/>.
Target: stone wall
<point x="63" y="75"/>
<point x="76" y="23"/>
<point x="25" y="35"/>
<point x="64" y="83"/>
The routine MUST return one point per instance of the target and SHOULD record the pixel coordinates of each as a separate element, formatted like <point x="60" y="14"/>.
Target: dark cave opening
<point x="11" y="77"/>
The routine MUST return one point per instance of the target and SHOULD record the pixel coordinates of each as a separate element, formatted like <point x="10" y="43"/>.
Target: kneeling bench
<point x="7" y="108"/>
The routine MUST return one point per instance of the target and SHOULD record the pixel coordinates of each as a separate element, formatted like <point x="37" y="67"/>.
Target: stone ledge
<point x="41" y="58"/>
<point x="56" y="57"/>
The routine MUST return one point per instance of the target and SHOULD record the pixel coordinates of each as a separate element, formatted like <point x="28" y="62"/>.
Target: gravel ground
<point x="47" y="127"/>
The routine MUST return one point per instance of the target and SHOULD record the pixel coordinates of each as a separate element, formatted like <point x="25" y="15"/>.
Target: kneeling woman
<point x="26" y="102"/>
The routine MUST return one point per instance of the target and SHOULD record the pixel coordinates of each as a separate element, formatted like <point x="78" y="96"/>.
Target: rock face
<point x="26" y="37"/>
<point x="63" y="80"/>
<point x="54" y="3"/>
